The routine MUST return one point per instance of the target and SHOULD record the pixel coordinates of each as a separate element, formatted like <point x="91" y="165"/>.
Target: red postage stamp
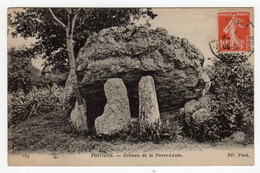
<point x="234" y="31"/>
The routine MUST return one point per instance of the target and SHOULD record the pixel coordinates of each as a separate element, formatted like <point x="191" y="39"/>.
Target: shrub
<point x="22" y="106"/>
<point x="171" y="129"/>
<point x="232" y="103"/>
<point x="207" y="131"/>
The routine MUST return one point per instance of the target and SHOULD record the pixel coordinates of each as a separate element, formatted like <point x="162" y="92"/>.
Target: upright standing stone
<point x="149" y="114"/>
<point x="116" y="117"/>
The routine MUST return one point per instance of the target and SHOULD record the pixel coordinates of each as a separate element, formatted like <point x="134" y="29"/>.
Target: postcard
<point x="130" y="86"/>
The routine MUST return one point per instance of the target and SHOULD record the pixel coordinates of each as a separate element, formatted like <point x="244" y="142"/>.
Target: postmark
<point x="234" y="31"/>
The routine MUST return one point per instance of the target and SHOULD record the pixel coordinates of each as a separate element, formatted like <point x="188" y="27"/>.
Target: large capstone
<point x="132" y="52"/>
<point x="149" y="114"/>
<point x="116" y="117"/>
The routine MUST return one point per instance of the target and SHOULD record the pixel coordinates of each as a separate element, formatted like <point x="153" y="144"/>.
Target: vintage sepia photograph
<point x="130" y="86"/>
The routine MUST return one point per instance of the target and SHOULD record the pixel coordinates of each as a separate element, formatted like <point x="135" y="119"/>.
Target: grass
<point x="52" y="132"/>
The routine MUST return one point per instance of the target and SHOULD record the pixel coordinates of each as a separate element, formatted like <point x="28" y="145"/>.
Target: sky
<point x="197" y="25"/>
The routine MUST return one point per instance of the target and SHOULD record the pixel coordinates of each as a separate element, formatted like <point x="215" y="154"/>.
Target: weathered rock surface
<point x="206" y="79"/>
<point x="149" y="114"/>
<point x="197" y="111"/>
<point x="132" y="52"/>
<point x="116" y="117"/>
<point x="200" y="115"/>
<point x="78" y="117"/>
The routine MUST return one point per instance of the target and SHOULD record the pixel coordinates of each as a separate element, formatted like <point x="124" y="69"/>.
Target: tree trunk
<point x="78" y="114"/>
<point x="73" y="70"/>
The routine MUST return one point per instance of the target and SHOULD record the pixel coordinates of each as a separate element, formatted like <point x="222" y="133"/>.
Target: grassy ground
<point x="53" y="133"/>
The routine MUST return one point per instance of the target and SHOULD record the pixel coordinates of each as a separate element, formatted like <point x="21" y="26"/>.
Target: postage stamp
<point x="234" y="31"/>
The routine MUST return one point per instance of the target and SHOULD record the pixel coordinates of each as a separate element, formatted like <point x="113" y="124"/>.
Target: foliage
<point x="51" y="38"/>
<point x="22" y="106"/>
<point x="21" y="73"/>
<point x="171" y="129"/>
<point x="233" y="95"/>
<point x="207" y="131"/>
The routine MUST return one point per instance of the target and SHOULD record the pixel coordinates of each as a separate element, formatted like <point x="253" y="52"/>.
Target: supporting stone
<point x="197" y="111"/>
<point x="78" y="117"/>
<point x="116" y="117"/>
<point x="149" y="114"/>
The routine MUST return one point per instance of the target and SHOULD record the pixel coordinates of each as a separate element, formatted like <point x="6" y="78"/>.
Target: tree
<point x="51" y="39"/>
<point x="21" y="73"/>
<point x="77" y="23"/>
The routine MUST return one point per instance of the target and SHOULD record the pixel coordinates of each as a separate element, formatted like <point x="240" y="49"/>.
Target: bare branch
<point x="68" y="11"/>
<point x="78" y="10"/>
<point x="74" y="21"/>
<point x="57" y="20"/>
<point x="79" y="25"/>
<point x="81" y="22"/>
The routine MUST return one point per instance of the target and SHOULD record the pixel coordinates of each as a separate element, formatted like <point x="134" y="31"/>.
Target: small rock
<point x="78" y="117"/>
<point x="238" y="137"/>
<point x="135" y="122"/>
<point x="168" y="115"/>
<point x="191" y="106"/>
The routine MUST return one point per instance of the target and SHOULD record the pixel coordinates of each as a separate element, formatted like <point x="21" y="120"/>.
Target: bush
<point x="22" y="106"/>
<point x="232" y="103"/>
